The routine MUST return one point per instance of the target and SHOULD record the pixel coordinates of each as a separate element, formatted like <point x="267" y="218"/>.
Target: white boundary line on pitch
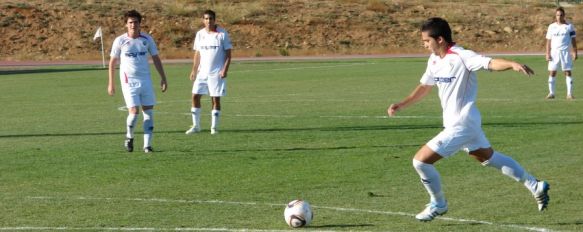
<point x="123" y="108"/>
<point x="301" y="68"/>
<point x="28" y="228"/>
<point x="528" y="228"/>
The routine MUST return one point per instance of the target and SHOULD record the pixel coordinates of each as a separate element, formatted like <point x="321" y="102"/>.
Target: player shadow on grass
<point x="342" y="226"/>
<point x="397" y="127"/>
<point x="60" y="134"/>
<point x="47" y="70"/>
<point x="350" y="128"/>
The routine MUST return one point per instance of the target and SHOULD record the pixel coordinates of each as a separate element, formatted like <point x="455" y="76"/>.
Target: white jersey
<point x="455" y="77"/>
<point x="560" y="35"/>
<point x="212" y="48"/>
<point x="133" y="55"/>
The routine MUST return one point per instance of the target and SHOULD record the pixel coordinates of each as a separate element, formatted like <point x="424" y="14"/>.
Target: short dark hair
<point x="210" y="13"/>
<point x="561" y="9"/>
<point x="132" y="14"/>
<point x="437" y="27"/>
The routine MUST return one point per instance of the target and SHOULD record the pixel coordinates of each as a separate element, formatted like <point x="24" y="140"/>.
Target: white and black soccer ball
<point x="298" y="213"/>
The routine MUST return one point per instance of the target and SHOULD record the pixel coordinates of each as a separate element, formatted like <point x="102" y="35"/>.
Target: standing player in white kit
<point x="560" y="41"/>
<point x="453" y="70"/>
<point x="132" y="50"/>
<point x="211" y="62"/>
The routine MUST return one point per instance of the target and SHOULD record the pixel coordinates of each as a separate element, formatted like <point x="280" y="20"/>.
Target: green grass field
<point x="315" y="130"/>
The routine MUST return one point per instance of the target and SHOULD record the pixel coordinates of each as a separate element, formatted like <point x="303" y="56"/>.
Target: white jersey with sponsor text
<point x="455" y="77"/>
<point x="133" y="55"/>
<point x="212" y="48"/>
<point x="560" y="35"/>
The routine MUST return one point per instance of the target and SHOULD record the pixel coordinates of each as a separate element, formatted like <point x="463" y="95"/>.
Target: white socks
<point x="195" y="117"/>
<point x="148" y="127"/>
<point x="130" y="125"/>
<point x="512" y="169"/>
<point x="551" y="85"/>
<point x="431" y="180"/>
<point x="215" y="119"/>
<point x="215" y="116"/>
<point x="569" y="81"/>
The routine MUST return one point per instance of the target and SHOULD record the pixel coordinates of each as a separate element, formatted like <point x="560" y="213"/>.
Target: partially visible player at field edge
<point x="132" y="49"/>
<point x="453" y="70"/>
<point x="211" y="61"/>
<point x="561" y="48"/>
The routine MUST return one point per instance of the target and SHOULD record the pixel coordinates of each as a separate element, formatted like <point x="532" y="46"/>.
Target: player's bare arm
<point x="548" y="50"/>
<point x="418" y="93"/>
<point x="160" y="69"/>
<point x="195" y="64"/>
<point x="502" y="64"/>
<point x="574" y="47"/>
<point x="111" y="83"/>
<point x="227" y="63"/>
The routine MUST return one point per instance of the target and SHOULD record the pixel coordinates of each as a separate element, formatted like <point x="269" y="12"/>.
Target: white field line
<point x="527" y="228"/>
<point x="302" y="68"/>
<point x="572" y="117"/>
<point x="29" y="228"/>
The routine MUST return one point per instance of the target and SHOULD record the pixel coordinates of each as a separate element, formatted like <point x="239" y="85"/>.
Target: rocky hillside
<point x="64" y="29"/>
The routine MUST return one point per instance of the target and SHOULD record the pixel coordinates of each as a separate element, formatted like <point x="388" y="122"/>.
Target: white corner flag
<point x="99" y="34"/>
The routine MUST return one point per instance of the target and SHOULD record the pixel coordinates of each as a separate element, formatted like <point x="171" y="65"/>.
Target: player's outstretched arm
<point x="418" y="93"/>
<point x="502" y="64"/>
<point x="111" y="83"/>
<point x="160" y="69"/>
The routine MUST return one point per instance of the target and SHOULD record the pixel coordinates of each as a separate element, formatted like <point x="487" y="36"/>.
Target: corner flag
<point x="98" y="34"/>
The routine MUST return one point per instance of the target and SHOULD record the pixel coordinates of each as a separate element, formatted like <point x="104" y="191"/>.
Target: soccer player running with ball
<point x="560" y="37"/>
<point x="211" y="62"/>
<point x="132" y="49"/>
<point x="453" y="70"/>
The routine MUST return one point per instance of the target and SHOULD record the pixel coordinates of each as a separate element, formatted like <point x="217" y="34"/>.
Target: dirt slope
<point x="64" y="29"/>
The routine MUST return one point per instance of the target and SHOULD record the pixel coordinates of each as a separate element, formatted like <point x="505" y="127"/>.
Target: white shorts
<point x="562" y="57"/>
<point x="138" y="93"/>
<point x="210" y="84"/>
<point x="451" y="140"/>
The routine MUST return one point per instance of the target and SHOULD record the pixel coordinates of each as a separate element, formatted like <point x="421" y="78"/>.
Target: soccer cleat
<point x="570" y="97"/>
<point x="214" y="131"/>
<point x="193" y="130"/>
<point x="148" y="150"/>
<point x="541" y="194"/>
<point x="430" y="212"/>
<point x="550" y="96"/>
<point x="129" y="144"/>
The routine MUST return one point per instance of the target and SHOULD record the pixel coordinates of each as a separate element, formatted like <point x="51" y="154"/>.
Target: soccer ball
<point x="298" y="213"/>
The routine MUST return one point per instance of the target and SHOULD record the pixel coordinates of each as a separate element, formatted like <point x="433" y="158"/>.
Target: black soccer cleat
<point x="148" y="150"/>
<point x="129" y="144"/>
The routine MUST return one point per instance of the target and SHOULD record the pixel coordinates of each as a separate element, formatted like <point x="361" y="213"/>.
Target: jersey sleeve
<point x="572" y="31"/>
<point x="115" y="48"/>
<point x="549" y="32"/>
<point x="196" y="43"/>
<point x="152" y="48"/>
<point x="427" y="78"/>
<point x="474" y="61"/>
<point x="227" y="41"/>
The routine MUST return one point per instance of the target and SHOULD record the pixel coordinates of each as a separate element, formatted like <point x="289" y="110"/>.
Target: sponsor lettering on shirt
<point x="209" y="47"/>
<point x="134" y="54"/>
<point x="444" y="79"/>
